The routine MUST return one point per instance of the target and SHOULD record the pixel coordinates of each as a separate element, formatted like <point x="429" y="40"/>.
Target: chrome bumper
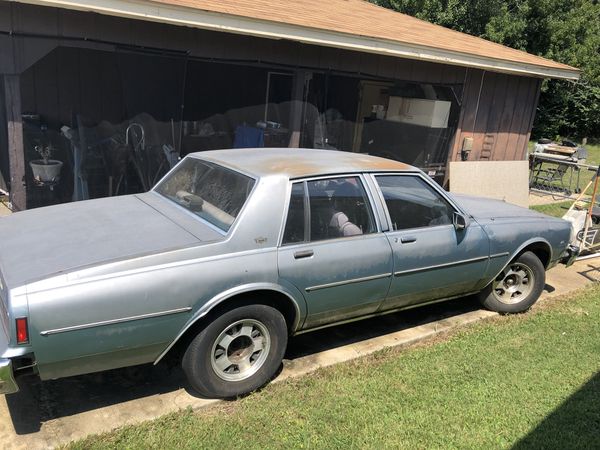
<point x="569" y="255"/>
<point x="8" y="385"/>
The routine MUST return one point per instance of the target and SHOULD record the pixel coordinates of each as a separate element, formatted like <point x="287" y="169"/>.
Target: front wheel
<point x="237" y="352"/>
<point x="517" y="287"/>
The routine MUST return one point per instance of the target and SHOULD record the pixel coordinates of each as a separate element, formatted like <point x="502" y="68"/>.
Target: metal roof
<point x="348" y="24"/>
<point x="299" y="162"/>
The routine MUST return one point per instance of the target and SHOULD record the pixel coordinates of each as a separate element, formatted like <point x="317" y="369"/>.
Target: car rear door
<point x="432" y="259"/>
<point x="333" y="250"/>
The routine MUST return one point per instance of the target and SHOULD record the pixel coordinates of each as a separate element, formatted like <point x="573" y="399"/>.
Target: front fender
<point x="499" y="260"/>
<point x="534" y="241"/>
<point x="289" y="291"/>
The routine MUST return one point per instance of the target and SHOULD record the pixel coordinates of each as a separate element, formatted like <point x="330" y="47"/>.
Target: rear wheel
<point x="236" y="353"/>
<point x="517" y="287"/>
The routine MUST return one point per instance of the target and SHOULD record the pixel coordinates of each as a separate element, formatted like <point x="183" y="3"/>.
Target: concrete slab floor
<point x="49" y="414"/>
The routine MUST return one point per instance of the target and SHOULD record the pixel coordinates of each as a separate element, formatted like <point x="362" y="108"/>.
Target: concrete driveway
<point x="48" y="414"/>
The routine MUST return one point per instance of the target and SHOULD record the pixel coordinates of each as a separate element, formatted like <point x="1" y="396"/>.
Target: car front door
<point x="333" y="251"/>
<point x="433" y="259"/>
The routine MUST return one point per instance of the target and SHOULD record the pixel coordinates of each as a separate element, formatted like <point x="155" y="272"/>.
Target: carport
<point x="119" y="90"/>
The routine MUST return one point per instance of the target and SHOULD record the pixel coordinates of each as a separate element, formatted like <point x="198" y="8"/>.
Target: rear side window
<point x="294" y="224"/>
<point x="412" y="203"/>
<point x="338" y="207"/>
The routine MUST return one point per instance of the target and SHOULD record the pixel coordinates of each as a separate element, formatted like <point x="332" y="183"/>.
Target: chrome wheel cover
<point x="240" y="350"/>
<point x="514" y="284"/>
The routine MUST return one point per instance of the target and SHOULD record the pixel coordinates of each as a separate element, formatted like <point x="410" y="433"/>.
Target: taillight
<point x="22" y="331"/>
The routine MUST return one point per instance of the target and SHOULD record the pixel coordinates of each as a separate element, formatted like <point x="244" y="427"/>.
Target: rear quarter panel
<point x="174" y="293"/>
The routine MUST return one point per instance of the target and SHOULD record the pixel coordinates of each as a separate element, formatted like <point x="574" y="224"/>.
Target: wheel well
<point x="541" y="250"/>
<point x="275" y="299"/>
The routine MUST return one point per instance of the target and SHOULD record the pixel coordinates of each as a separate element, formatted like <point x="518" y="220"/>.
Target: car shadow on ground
<point x="574" y="424"/>
<point x="39" y="402"/>
<point x="333" y="337"/>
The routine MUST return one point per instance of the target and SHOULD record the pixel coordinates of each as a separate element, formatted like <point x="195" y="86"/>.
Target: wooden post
<point x="16" y="151"/>
<point x="297" y="108"/>
<point x="4" y="174"/>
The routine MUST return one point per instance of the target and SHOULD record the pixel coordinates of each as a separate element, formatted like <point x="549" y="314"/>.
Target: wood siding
<point x="497" y="112"/>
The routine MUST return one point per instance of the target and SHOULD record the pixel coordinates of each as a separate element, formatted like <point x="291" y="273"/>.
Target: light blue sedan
<point x="236" y="250"/>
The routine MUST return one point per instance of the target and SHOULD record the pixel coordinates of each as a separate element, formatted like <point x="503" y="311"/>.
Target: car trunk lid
<point x="57" y="239"/>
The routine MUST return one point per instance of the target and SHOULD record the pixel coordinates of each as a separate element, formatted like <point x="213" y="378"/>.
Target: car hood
<point x="481" y="208"/>
<point x="43" y="242"/>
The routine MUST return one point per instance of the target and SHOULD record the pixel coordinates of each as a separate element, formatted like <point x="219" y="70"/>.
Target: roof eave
<point x="184" y="16"/>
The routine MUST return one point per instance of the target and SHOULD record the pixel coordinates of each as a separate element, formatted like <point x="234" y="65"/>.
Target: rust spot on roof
<point x="297" y="163"/>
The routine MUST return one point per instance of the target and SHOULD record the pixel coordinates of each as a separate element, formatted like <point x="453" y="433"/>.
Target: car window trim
<point x="284" y="216"/>
<point x="330" y="240"/>
<point x="365" y="189"/>
<point x="286" y="212"/>
<point x="431" y="184"/>
<point x="305" y="180"/>
<point x="380" y="205"/>
<point x="306" y="212"/>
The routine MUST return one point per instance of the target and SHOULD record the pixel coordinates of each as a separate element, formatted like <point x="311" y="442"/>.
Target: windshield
<point x="210" y="191"/>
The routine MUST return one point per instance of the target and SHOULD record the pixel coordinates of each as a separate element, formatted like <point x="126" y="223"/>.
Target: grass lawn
<point x="593" y="154"/>
<point x="553" y="209"/>
<point x="521" y="381"/>
<point x="593" y="159"/>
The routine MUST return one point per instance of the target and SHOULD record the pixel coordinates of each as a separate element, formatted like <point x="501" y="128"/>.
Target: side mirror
<point x="459" y="221"/>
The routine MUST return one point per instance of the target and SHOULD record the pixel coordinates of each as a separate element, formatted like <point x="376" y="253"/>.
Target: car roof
<point x="299" y="162"/>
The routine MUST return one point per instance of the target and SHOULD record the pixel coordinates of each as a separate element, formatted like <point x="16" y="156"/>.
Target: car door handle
<point x="303" y="254"/>
<point x="408" y="239"/>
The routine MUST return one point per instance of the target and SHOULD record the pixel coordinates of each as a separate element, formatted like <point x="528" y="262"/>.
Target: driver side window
<point x="412" y="203"/>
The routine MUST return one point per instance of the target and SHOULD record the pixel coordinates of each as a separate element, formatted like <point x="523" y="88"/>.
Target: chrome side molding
<point x="351" y="281"/>
<point x="114" y="321"/>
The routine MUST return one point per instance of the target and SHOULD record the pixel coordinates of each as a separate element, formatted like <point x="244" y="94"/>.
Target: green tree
<point x="567" y="31"/>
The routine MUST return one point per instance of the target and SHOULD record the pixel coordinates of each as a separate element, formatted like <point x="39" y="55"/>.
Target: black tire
<point x="498" y="295"/>
<point x="203" y="360"/>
